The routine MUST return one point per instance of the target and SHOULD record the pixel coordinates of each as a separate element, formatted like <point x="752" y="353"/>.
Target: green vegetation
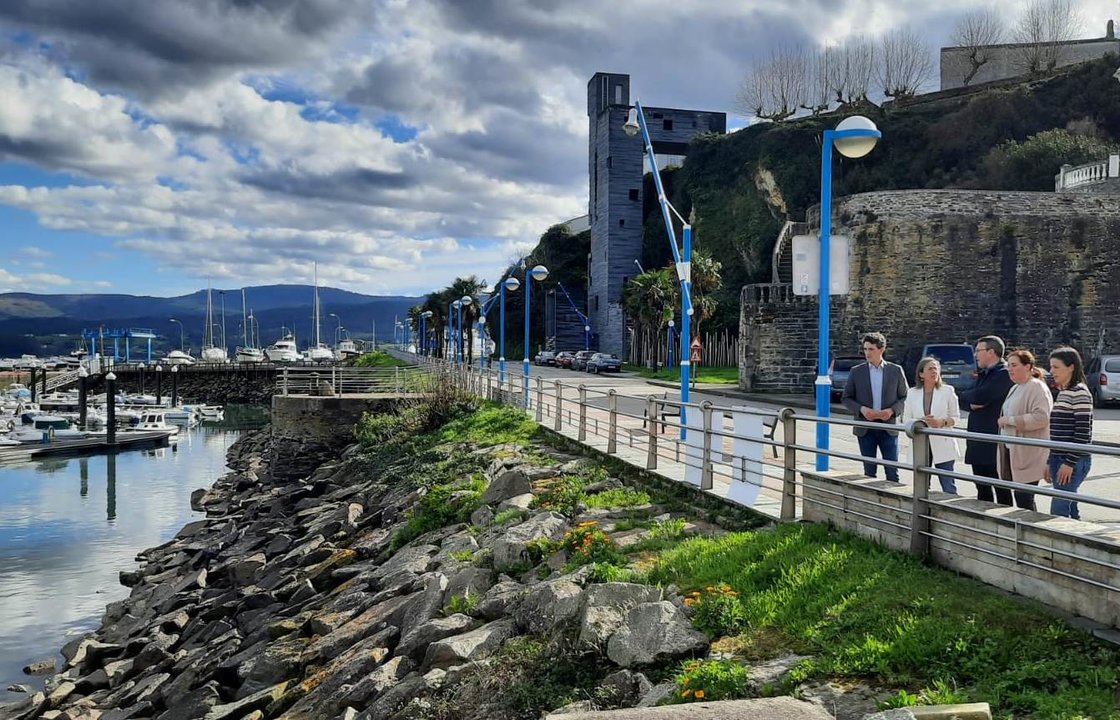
<point x="700" y="374"/>
<point x="462" y="603"/>
<point x="379" y="359"/>
<point x="623" y="497"/>
<point x="509" y="514"/>
<point x="723" y="679"/>
<point x="442" y="505"/>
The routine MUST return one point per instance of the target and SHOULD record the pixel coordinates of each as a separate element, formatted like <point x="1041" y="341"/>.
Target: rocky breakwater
<point x="301" y="599"/>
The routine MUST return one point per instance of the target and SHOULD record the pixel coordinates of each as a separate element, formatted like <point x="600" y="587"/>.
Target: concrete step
<point x="782" y="708"/>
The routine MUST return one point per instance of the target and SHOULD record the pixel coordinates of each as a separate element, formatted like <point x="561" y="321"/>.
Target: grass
<point x="866" y="612"/>
<point x="379" y="359"/>
<point x="491" y="425"/>
<point x="700" y="374"/>
<point x="623" y="497"/>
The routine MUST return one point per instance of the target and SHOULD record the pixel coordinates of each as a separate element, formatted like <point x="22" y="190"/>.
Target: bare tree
<point x="905" y="63"/>
<point x="1043" y="30"/>
<point x="975" y="33"/>
<point x="854" y="67"/>
<point x="818" y="88"/>
<point x="775" y="88"/>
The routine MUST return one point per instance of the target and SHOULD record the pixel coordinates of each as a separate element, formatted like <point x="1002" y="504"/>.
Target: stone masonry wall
<point x="1038" y="269"/>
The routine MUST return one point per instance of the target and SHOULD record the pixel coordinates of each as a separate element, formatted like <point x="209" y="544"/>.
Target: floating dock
<point x="97" y="445"/>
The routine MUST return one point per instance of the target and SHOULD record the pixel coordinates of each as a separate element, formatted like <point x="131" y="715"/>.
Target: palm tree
<point x="707" y="280"/>
<point x="650" y="298"/>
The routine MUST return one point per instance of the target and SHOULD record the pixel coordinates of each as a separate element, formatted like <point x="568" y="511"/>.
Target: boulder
<point x="510" y="548"/>
<point x="517" y="502"/>
<point x="652" y="632"/>
<point x="501" y="600"/>
<point x="245" y="571"/>
<point x="416" y="641"/>
<point x="482" y="516"/>
<point x="625" y="688"/>
<point x="474" y="581"/>
<point x="471" y="646"/>
<point x="771" y="672"/>
<point x="781" y="708"/>
<point x="549" y="606"/>
<point x="605" y="606"/>
<point x="507" y="484"/>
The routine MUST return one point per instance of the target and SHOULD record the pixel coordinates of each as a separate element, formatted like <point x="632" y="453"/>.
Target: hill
<point x="52" y="324"/>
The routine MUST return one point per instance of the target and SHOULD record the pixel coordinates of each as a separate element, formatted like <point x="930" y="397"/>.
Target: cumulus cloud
<point x="31" y="282"/>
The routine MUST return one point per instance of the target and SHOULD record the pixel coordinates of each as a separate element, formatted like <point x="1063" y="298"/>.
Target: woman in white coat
<point x="935" y="403"/>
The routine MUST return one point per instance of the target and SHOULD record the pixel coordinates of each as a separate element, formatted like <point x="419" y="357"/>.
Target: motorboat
<point x="182" y="416"/>
<point x="178" y="357"/>
<point x="44" y="429"/>
<point x="17" y="391"/>
<point x="249" y="355"/>
<point x="249" y="352"/>
<point x="212" y="353"/>
<point x="347" y="349"/>
<point x="207" y="412"/>
<point x="152" y="421"/>
<point x="283" y="350"/>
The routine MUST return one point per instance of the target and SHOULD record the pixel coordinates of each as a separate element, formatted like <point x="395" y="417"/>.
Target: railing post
<point x="612" y="427"/>
<point x="789" y="455"/>
<point x="540" y="396"/>
<point x="582" y="412"/>
<point x="284" y="382"/>
<point x="556" y="421"/>
<point x="706" y="467"/>
<point x="651" y="423"/>
<point x="919" y="507"/>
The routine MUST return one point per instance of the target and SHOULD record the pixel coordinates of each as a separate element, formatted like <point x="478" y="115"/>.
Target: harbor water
<point x="68" y="526"/>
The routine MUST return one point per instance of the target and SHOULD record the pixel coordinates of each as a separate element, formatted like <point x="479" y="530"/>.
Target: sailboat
<point x="211" y="353"/>
<point x="319" y="352"/>
<point x="248" y="352"/>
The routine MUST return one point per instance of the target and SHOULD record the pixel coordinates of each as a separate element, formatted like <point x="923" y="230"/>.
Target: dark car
<point x="564" y="359"/>
<point x="545" y="357"/>
<point x="839" y="370"/>
<point x="579" y="362"/>
<point x="958" y="363"/>
<point x="604" y="362"/>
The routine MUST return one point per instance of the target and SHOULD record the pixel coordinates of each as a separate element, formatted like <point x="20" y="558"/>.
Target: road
<point x="1104" y="479"/>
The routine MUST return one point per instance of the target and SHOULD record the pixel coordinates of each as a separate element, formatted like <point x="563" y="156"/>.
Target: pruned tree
<point x="854" y="69"/>
<point x="775" y="87"/>
<point x="975" y="33"/>
<point x="1043" y="31"/>
<point x="818" y="86"/>
<point x="905" y="63"/>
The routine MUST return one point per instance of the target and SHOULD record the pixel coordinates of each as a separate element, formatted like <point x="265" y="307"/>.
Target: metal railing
<point x="336" y="380"/>
<point x="726" y="452"/>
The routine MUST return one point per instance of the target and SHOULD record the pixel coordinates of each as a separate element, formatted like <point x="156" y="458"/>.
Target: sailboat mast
<point x="244" y="319"/>
<point x="316" y="304"/>
<point x="209" y="316"/>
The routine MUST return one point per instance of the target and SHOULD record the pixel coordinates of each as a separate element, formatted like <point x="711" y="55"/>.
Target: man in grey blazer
<point x="876" y="392"/>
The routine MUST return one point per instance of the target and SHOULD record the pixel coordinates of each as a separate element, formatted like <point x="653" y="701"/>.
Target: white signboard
<point x="746" y="461"/>
<point x="807" y="268"/>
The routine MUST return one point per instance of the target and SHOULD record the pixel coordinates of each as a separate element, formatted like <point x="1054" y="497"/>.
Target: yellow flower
<point x="711" y="589"/>
<point x="699" y="694"/>
<point x="686" y="693"/>
<point x="686" y="681"/>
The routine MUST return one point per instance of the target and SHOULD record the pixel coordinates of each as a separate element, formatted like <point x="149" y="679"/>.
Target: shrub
<point x="462" y="604"/>
<point x="441" y="506"/>
<point x="587" y="543"/>
<point x="562" y="495"/>
<point x="506" y="515"/>
<point x="710" y="680"/>
<point x="717" y="611"/>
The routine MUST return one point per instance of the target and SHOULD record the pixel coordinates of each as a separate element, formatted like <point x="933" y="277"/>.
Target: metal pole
<point x="919" y="514"/>
<point x="686" y="331"/>
<point x="175" y="386"/>
<point x="559" y="404"/>
<point x="651" y="423"/>
<point x="612" y="427"/>
<point x="706" y="465"/>
<point x="525" y="364"/>
<point x="33" y="383"/>
<point x="111" y="410"/>
<point x="83" y="400"/>
<point x="159" y="385"/>
<point x="582" y="412"/>
<point x="789" y="454"/>
<point x="823" y="383"/>
<point x="502" y="335"/>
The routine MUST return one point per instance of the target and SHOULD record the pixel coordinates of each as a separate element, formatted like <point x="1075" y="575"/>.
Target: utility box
<point x="807" y="269"/>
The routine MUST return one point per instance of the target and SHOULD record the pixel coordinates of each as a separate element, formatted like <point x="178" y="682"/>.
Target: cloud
<point x="31" y="282"/>
<point x="35" y="252"/>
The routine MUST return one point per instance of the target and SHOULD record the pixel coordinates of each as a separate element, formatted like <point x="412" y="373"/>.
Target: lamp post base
<point x="823" y="388"/>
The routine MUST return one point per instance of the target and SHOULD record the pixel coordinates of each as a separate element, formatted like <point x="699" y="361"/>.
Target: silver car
<point x="1104" y="379"/>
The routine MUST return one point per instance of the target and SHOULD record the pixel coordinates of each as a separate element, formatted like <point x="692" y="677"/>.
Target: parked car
<point x="1104" y="379"/>
<point x="604" y="362"/>
<point x="564" y="359"/>
<point x="545" y="357"/>
<point x="579" y="362"/>
<point x="958" y="363"/>
<point x="839" y="370"/>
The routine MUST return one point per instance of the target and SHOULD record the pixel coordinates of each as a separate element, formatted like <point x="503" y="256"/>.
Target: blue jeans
<point x="948" y="484"/>
<point x="887" y="444"/>
<point x="1061" y="506"/>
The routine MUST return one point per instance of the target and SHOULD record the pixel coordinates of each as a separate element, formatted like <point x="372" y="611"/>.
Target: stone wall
<point x="1038" y="269"/>
<point x="1006" y="60"/>
<point x="248" y="387"/>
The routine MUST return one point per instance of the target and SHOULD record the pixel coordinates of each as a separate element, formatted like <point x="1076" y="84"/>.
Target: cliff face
<point x="1038" y="269"/>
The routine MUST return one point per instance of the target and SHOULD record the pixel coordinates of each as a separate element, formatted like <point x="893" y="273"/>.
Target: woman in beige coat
<point x="1026" y="414"/>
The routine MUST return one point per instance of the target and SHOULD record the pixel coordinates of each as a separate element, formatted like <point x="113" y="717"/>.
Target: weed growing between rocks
<point x="623" y="497"/>
<point x="721" y="679"/>
<point x="441" y="506"/>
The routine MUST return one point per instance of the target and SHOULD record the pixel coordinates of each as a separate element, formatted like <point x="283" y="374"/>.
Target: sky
<point x="147" y="146"/>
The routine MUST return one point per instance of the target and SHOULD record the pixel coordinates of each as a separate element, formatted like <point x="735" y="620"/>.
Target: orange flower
<point x="699" y="694"/>
<point x="686" y="693"/>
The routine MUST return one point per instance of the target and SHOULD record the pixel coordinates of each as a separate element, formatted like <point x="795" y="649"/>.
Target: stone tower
<point x="615" y="168"/>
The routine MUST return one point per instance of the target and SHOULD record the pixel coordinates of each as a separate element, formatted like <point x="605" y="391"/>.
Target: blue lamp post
<point x="511" y="283"/>
<point x="464" y="303"/>
<point x="481" y="341"/>
<point x="451" y="330"/>
<point x="424" y="349"/>
<point x="682" y="257"/>
<point x="671" y="333"/>
<point x="538" y="273"/>
<point x="854" y="137"/>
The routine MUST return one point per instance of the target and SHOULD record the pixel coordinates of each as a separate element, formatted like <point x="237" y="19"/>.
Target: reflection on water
<point x="68" y="526"/>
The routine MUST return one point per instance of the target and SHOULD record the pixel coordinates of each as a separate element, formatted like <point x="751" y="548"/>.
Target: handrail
<point x="1070" y="177"/>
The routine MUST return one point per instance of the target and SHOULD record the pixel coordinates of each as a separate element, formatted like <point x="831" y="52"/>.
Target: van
<point x="958" y="363"/>
<point x="1103" y="374"/>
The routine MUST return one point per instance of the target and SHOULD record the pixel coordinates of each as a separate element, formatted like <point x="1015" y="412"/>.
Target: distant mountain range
<point x="52" y="324"/>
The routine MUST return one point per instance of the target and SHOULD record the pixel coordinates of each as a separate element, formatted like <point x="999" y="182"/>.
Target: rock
<point x="326" y="690"/>
<point x="196" y="499"/>
<point x="474" y="581"/>
<point x="501" y="600"/>
<point x="482" y="517"/>
<point x="377" y="682"/>
<point x="845" y="702"/>
<point x="458" y="543"/>
<point x="264" y="665"/>
<point x="193" y="705"/>
<point x="517" y="502"/>
<point x="506" y="485"/>
<point x="96" y="680"/>
<point x="575" y="467"/>
<point x="245" y="572"/>
<point x="549" y="605"/>
<point x="369" y="622"/>
<point x="413" y="558"/>
<point x="20" y="688"/>
<point x="40" y="667"/>
<point x="243" y="706"/>
<point x="893" y="714"/>
<point x="390" y="701"/>
<point x="474" y="645"/>
<point x="626" y="688"/>
<point x="580" y="706"/>
<point x="604" y="607"/>
<point x="608" y="484"/>
<point x="416" y="641"/>
<point x="781" y="708"/>
<point x="509" y="549"/>
<point x="771" y="672"/>
<point x="657" y="693"/>
<point x="118" y="671"/>
<point x="652" y="632"/>
<point x="144" y="690"/>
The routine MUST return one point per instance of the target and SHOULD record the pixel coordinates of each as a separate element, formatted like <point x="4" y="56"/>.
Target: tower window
<point x="617" y="94"/>
<point x="634" y="194"/>
<point x="668" y="124"/>
<point x="621" y="222"/>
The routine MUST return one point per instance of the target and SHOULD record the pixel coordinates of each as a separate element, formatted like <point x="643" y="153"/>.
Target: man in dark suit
<point x="876" y="392"/>
<point x="985" y="402"/>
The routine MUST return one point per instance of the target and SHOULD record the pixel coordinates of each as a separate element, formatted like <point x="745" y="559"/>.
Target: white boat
<point x="17" y="391"/>
<point x="182" y="416"/>
<point x="207" y="412"/>
<point x="154" y="420"/>
<point x="249" y="352"/>
<point x="283" y="350"/>
<point x="318" y="352"/>
<point x="46" y="428"/>
<point x="346" y="349"/>
<point x="212" y="353"/>
<point x="178" y="357"/>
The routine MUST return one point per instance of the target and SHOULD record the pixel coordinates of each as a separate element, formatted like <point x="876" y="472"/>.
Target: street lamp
<point x="511" y="283"/>
<point x="539" y="273"/>
<point x="854" y="137"/>
<point x="451" y="308"/>
<point x="682" y="258"/>
<point x="671" y="333"/>
<point x="423" y="345"/>
<point x="481" y="340"/>
<point x="181" y="343"/>
<point x="337" y="330"/>
<point x="464" y="302"/>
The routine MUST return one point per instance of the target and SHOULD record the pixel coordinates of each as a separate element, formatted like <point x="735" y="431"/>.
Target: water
<point x="68" y="526"/>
